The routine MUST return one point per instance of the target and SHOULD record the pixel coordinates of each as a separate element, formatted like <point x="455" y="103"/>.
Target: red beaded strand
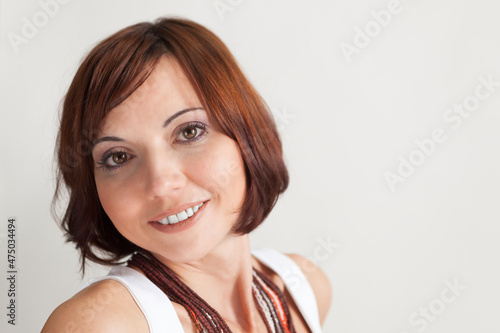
<point x="269" y="298"/>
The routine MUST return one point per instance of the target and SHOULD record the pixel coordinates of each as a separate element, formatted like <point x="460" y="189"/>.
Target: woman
<point x="170" y="155"/>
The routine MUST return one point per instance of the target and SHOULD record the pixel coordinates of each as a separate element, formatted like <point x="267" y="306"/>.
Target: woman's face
<point x="157" y="159"/>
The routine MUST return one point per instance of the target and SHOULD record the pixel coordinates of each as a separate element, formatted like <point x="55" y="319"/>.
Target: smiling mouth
<point x="179" y="217"/>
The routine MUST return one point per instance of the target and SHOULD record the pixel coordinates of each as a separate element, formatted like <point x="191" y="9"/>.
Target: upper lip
<point x="176" y="210"/>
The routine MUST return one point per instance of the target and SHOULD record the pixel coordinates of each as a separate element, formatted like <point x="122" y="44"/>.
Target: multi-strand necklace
<point x="268" y="297"/>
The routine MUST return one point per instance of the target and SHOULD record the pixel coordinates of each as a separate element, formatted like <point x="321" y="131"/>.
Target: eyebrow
<point x="106" y="138"/>
<point x="165" y="124"/>
<point x="179" y="113"/>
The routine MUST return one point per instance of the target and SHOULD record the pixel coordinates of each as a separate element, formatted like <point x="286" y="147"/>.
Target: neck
<point x="223" y="278"/>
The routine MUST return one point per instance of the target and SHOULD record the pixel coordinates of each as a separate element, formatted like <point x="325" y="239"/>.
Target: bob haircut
<point x="110" y="73"/>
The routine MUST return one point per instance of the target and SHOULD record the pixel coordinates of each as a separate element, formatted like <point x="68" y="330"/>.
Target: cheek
<point x="118" y="204"/>
<point x="223" y="174"/>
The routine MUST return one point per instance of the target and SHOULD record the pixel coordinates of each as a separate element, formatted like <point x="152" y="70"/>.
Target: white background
<point x="345" y="124"/>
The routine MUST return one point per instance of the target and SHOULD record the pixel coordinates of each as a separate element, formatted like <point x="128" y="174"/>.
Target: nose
<point x="164" y="176"/>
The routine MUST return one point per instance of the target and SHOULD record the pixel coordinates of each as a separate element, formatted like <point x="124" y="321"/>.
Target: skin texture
<point x="144" y="168"/>
<point x="164" y="169"/>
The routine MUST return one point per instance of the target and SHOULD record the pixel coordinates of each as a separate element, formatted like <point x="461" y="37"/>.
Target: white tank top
<point x="160" y="313"/>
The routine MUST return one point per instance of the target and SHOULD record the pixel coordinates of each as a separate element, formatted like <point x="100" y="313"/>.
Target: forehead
<point x="165" y="91"/>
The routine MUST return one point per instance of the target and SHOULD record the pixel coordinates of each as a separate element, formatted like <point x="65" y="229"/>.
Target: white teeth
<point x="182" y="216"/>
<point x="172" y="219"/>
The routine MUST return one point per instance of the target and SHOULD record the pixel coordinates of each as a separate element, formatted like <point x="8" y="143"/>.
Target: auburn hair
<point x="110" y="73"/>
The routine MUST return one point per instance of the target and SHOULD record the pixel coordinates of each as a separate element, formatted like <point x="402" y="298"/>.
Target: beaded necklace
<point x="269" y="299"/>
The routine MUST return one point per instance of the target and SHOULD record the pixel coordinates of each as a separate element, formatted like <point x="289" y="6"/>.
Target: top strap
<point x="162" y="317"/>
<point x="154" y="304"/>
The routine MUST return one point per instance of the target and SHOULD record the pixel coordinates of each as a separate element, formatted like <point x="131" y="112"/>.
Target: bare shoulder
<point x="105" y="306"/>
<point x="319" y="283"/>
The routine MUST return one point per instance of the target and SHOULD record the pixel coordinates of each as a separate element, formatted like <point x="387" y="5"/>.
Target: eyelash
<point x="197" y="125"/>
<point x="105" y="158"/>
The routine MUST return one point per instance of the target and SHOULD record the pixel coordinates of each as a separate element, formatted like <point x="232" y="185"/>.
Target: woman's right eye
<point x="113" y="160"/>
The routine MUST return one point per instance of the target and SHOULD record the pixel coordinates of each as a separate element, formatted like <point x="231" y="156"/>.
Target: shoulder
<point x="319" y="283"/>
<point x="105" y="306"/>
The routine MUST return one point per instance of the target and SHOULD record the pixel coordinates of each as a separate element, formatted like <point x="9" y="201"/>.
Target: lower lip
<point x="180" y="226"/>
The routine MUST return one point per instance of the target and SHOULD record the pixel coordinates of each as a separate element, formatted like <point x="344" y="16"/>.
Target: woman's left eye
<point x="191" y="132"/>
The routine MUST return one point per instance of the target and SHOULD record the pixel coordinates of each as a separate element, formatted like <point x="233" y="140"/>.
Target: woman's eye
<point x="191" y="132"/>
<point x="119" y="158"/>
<point x="113" y="160"/>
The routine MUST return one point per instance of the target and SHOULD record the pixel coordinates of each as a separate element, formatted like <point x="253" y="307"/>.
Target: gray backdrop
<point x="389" y="112"/>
